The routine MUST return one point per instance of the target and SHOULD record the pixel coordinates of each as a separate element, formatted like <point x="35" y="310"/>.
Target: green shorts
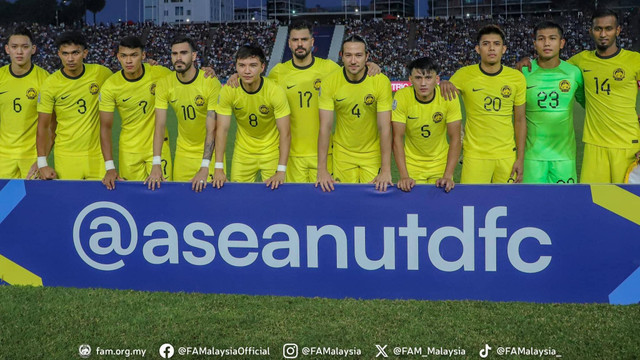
<point x="550" y="172"/>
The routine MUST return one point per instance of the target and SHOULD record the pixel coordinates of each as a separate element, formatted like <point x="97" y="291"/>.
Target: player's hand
<point x="47" y="173"/>
<point x="637" y="156"/>
<point x="233" y="81"/>
<point x="199" y="181"/>
<point x="374" y="69"/>
<point x="110" y="178"/>
<point x="517" y="170"/>
<point x="151" y="62"/>
<point x="219" y="178"/>
<point x="406" y="184"/>
<point x="325" y="181"/>
<point x="276" y="180"/>
<point x="33" y="172"/>
<point x="448" y="90"/>
<point x="382" y="181"/>
<point x="209" y="72"/>
<point x="446" y="182"/>
<point x="155" y="178"/>
<point x="525" y="61"/>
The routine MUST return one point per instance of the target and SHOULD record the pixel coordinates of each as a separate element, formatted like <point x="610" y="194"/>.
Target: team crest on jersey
<point x="316" y="84"/>
<point x="505" y="91"/>
<point x="437" y="117"/>
<point x="199" y="100"/>
<point x="369" y="99"/>
<point x="264" y="110"/>
<point x="31" y="94"/>
<point x="94" y="88"/>
<point x="565" y="86"/>
<point x="618" y="74"/>
<point x="152" y="89"/>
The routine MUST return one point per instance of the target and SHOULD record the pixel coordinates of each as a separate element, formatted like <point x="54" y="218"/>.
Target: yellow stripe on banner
<point x="15" y="274"/>
<point x="618" y="201"/>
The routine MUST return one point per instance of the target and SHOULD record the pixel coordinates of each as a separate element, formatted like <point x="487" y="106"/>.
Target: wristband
<point x="218" y="165"/>
<point x="205" y="163"/>
<point x="157" y="160"/>
<point x="109" y="165"/>
<point x="42" y="162"/>
<point x="282" y="168"/>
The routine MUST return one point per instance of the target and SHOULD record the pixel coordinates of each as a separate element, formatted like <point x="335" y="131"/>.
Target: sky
<point x="115" y="10"/>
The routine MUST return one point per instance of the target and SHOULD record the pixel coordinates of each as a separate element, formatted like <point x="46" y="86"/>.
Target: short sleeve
<point x="521" y="90"/>
<point x="162" y="91"/>
<point x="399" y="107"/>
<point x="107" y="98"/>
<point x="454" y="113"/>
<point x="46" y="97"/>
<point x="327" y="91"/>
<point x="385" y="97"/>
<point x="280" y="103"/>
<point x="225" y="101"/>
<point x="214" y="91"/>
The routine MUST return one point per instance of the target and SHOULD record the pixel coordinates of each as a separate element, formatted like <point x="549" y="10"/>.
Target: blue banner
<point x="574" y="243"/>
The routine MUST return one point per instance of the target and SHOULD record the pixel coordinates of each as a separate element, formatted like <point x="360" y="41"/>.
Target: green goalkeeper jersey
<point x="550" y="100"/>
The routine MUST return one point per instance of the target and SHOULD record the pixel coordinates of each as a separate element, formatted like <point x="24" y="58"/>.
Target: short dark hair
<point x="604" y="12"/>
<point x="490" y="29"/>
<point x="355" y="38"/>
<point x="71" y="38"/>
<point x="132" y="42"/>
<point x="423" y="63"/>
<point x="247" y="51"/>
<point x="21" y="30"/>
<point x="301" y="25"/>
<point x="548" y="25"/>
<point x="180" y="38"/>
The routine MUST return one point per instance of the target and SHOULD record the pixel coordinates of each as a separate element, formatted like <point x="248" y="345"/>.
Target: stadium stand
<point x="392" y="42"/>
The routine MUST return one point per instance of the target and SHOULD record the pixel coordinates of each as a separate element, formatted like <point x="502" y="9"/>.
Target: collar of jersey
<point x="366" y="71"/>
<point x="424" y="102"/>
<point x="489" y="74"/>
<point x="313" y="60"/>
<point x="190" y="81"/>
<point x="23" y="75"/>
<point x="255" y="92"/>
<point x="610" y="56"/>
<point x="139" y="77"/>
<point x="84" y="68"/>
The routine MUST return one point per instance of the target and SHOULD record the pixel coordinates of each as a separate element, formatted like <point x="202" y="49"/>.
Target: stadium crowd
<point x="391" y="43"/>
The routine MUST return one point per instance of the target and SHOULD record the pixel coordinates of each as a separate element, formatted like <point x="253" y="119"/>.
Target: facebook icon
<point x="166" y="351"/>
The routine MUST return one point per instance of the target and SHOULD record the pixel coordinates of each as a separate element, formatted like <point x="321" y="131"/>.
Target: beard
<point x="301" y="56"/>
<point x="186" y="67"/>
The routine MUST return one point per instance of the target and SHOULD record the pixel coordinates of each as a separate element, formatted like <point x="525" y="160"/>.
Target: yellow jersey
<point x="302" y="85"/>
<point x="611" y="90"/>
<point x="489" y="100"/>
<point x="135" y="100"/>
<point x="426" y="123"/>
<point x="356" y="105"/>
<point x="75" y="102"/>
<point x="18" y="112"/>
<point x="191" y="101"/>
<point x="256" y="115"/>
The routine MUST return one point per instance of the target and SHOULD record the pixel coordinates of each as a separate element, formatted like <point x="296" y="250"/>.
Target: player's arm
<point x="199" y="181"/>
<point x="106" y="124"/>
<point x="373" y="69"/>
<point x="455" y="146"/>
<point x="324" y="179"/>
<point x="406" y="183"/>
<point x="155" y="178"/>
<point x="579" y="96"/>
<point x="520" y="128"/>
<point x="222" y="123"/>
<point x="384" y="129"/>
<point x="524" y="62"/>
<point x="34" y="172"/>
<point x="283" y="125"/>
<point x="44" y="140"/>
